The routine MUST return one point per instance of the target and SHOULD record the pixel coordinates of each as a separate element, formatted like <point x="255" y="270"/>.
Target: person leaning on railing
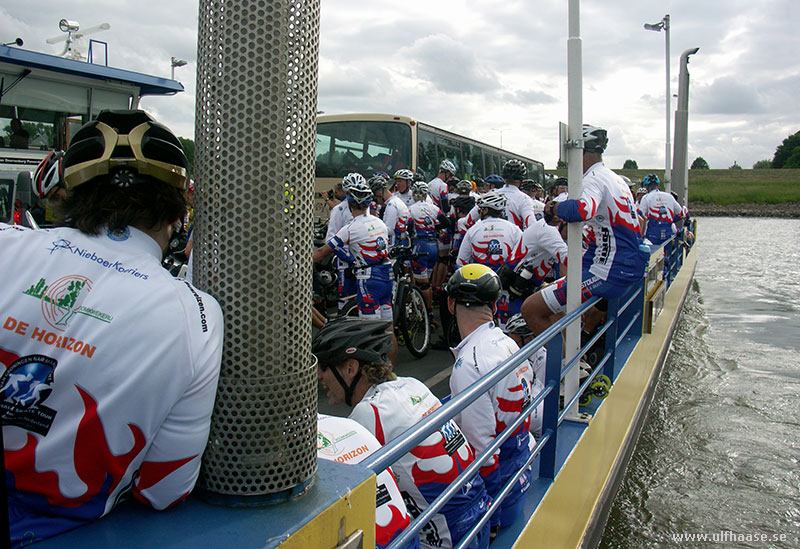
<point x="472" y="294"/>
<point x="354" y="370"/>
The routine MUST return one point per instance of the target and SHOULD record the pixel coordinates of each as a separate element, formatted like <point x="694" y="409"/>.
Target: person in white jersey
<point x="339" y="217"/>
<point x="491" y="242"/>
<point x="343" y="440"/>
<point x="472" y="293"/>
<point x="659" y="210"/>
<point x="394" y="211"/>
<point x="519" y="209"/>
<point x="354" y="370"/>
<point x="402" y="180"/>
<point x="533" y="191"/>
<point x="110" y="365"/>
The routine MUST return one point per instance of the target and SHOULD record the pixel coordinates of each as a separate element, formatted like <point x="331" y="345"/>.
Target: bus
<point x="369" y="143"/>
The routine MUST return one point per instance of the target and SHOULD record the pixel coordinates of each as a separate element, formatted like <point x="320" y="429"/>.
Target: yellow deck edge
<point x="563" y="516"/>
<point x="355" y="511"/>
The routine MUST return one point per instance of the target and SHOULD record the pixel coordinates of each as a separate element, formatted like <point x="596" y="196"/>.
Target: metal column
<point x="255" y="138"/>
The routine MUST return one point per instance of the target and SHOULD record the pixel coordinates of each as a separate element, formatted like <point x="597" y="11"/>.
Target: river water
<point x="717" y="462"/>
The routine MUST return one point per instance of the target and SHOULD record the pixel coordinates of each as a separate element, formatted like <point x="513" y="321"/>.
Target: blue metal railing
<point x="623" y="319"/>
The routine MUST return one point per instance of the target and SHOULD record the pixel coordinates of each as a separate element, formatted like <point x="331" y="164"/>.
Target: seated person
<point x="472" y="294"/>
<point x="121" y="407"/>
<point x="353" y="369"/>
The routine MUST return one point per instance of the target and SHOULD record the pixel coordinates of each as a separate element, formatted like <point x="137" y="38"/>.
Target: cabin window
<point x="364" y="147"/>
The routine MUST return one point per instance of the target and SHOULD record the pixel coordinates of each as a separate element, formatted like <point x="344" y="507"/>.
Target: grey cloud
<point x="449" y="66"/>
<point x="528" y="97"/>
<point x="727" y="95"/>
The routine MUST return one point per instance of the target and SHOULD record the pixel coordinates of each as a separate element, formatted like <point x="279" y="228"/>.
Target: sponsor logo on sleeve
<point x="24" y="386"/>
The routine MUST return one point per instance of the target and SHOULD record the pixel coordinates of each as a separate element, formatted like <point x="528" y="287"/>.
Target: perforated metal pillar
<point x="254" y="166"/>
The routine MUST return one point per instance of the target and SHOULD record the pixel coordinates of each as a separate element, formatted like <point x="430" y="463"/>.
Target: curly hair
<point x="148" y="204"/>
<point x="377" y="372"/>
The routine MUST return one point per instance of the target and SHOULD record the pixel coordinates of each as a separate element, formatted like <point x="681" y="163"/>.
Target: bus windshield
<point x="362" y="146"/>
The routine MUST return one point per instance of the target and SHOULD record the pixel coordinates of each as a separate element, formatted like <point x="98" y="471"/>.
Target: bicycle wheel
<point x="350" y="308"/>
<point x="414" y="322"/>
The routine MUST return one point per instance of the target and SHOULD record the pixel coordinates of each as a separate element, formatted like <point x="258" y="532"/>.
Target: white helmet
<point x="493" y="200"/>
<point x="447" y="166"/>
<point x="408" y="175"/>
<point x="359" y="193"/>
<point x="352" y="179"/>
<point x="419" y="190"/>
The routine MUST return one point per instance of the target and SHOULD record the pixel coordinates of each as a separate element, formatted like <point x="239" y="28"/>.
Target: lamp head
<point x="69" y="26"/>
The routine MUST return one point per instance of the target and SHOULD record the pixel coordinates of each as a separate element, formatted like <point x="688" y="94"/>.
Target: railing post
<point x="610" y="367"/>
<point x="547" y="462"/>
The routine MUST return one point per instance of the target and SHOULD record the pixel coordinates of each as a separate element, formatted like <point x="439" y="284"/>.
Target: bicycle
<point x="409" y="312"/>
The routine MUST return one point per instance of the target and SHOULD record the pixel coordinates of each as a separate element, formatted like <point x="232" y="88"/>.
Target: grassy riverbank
<point x="739" y="191"/>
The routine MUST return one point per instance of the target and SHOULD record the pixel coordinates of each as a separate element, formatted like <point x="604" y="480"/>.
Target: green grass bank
<point x="736" y="192"/>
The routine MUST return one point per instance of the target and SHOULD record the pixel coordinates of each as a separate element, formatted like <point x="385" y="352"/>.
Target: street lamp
<point x="501" y="130"/>
<point x="176" y="63"/>
<point x="657" y="27"/>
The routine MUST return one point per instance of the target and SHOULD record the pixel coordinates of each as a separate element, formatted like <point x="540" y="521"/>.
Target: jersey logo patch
<point x="61" y="300"/>
<point x="25" y="385"/>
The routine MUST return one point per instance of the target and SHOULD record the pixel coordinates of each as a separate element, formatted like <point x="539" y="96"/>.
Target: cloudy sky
<point x="484" y="68"/>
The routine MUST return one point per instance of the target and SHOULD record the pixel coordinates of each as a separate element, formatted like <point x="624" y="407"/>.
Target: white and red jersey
<point x="438" y="191"/>
<point x="109" y="374"/>
<point x="461" y="231"/>
<point x="346" y="441"/>
<point x="406" y="197"/>
<point x="476" y="356"/>
<point x="424" y="216"/>
<point x="490" y="242"/>
<point x="340" y="216"/>
<point x="661" y="210"/>
<point x="540" y="248"/>
<point x="364" y="244"/>
<point x="395" y="217"/>
<point x="519" y="209"/>
<point x="390" y="408"/>
<point x="612" y="233"/>
<point x="538" y="208"/>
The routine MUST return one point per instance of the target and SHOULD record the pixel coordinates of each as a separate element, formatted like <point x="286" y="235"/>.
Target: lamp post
<point x="175" y="62"/>
<point x="657" y="27"/>
<point x="501" y="130"/>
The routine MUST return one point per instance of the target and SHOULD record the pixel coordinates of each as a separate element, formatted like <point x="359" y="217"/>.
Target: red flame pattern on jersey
<point x="94" y="461"/>
<point x="385" y="534"/>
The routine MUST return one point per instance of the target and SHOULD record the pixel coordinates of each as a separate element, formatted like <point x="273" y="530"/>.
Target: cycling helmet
<point x="474" y="283"/>
<point x="495" y="180"/>
<point x="345" y="337"/>
<point x="360" y="194"/>
<point x="463" y="187"/>
<point x="408" y="175"/>
<point x="447" y="166"/>
<point x="527" y="185"/>
<point x="49" y="174"/>
<point x="463" y="203"/>
<point x="419" y="176"/>
<point x="594" y="139"/>
<point x="514" y="170"/>
<point x="352" y="179"/>
<point x="493" y="200"/>
<point x="560" y="182"/>
<point x="419" y="190"/>
<point x="517" y="325"/>
<point x="538" y="187"/>
<point x="378" y="181"/>
<point x="651" y="181"/>
<point x="125" y="145"/>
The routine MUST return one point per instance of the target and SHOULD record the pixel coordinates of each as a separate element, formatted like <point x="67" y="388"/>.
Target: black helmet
<point x="594" y="139"/>
<point x="378" y="182"/>
<point x="125" y="144"/>
<point x="514" y="170"/>
<point x="463" y="203"/>
<point x="560" y="182"/>
<point x="527" y="185"/>
<point x="474" y="283"/>
<point x="363" y="339"/>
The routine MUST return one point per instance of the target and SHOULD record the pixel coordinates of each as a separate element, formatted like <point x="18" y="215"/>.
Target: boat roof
<point x="148" y="85"/>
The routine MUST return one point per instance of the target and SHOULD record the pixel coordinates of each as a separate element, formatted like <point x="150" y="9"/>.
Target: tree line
<point x="787" y="155"/>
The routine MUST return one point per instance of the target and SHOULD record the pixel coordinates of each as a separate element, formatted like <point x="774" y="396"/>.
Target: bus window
<point x="6" y="200"/>
<point x="449" y="149"/>
<point x="473" y="161"/>
<point x="426" y="153"/>
<point x="361" y="146"/>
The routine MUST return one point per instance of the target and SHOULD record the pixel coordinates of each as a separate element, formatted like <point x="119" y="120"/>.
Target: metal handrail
<point x="409" y="439"/>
